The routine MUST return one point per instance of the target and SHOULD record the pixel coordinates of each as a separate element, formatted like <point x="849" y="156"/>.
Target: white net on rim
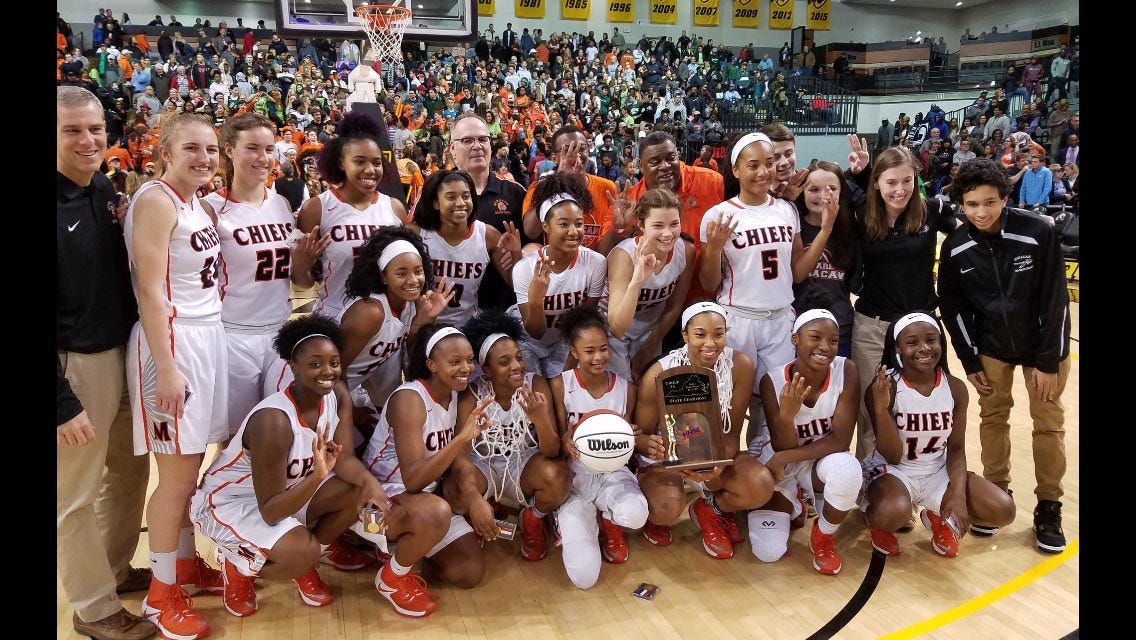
<point x="385" y="25"/>
<point x="509" y="432"/>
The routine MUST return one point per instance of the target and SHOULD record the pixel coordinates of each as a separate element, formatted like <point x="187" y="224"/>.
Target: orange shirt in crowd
<point x="141" y="42"/>
<point x="126" y="66"/>
<point x="597" y="222"/>
<point x="60" y="43"/>
<point x="127" y="162"/>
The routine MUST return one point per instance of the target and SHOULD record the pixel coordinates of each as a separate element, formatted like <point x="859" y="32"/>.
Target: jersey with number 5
<point x="925" y="423"/>
<point x="192" y="261"/>
<point x="757" y="272"/>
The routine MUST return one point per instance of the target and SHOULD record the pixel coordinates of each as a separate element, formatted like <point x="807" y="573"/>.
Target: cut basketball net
<point x="384" y="25"/>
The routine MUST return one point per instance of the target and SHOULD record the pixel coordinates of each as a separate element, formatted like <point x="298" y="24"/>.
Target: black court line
<point x="858" y="600"/>
<point x="1073" y="635"/>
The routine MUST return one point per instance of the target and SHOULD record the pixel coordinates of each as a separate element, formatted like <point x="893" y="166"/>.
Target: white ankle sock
<point x="826" y="527"/>
<point x="397" y="569"/>
<point x="187" y="545"/>
<point x="164" y="566"/>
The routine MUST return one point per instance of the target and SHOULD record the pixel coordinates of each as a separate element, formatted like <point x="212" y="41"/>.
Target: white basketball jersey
<point x="463" y="265"/>
<point x="230" y="475"/>
<point x="925" y="423"/>
<point x="585" y="277"/>
<point x="383" y="345"/>
<point x="578" y="401"/>
<point x="349" y="228"/>
<point x="757" y="270"/>
<point x="655" y="291"/>
<point x="255" y="259"/>
<point x="815" y="421"/>
<point x="192" y="264"/>
<point x="505" y="426"/>
<point x="437" y="431"/>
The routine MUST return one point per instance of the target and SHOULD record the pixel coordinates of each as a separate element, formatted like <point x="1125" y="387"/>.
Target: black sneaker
<point x="1047" y="526"/>
<point x="985" y="531"/>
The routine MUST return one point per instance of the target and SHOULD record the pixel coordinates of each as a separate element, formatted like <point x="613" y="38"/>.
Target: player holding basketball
<point x="810" y="406"/>
<point x="518" y="454"/>
<point x="352" y="210"/>
<point x="648" y="278"/>
<point x="561" y="275"/>
<point x="613" y="497"/>
<point x="289" y="484"/>
<point x="176" y="362"/>
<point x="418" y="439"/>
<point x="744" y="485"/>
<point x="918" y="410"/>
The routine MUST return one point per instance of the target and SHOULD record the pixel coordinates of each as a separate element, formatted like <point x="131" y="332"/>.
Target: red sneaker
<point x="534" y="541"/>
<point x="943" y="540"/>
<point x="196" y="576"/>
<point x="408" y="593"/>
<point x="170" y="608"/>
<point x="612" y="543"/>
<point x="823" y="546"/>
<point x="341" y="555"/>
<point x="240" y="592"/>
<point x="313" y="591"/>
<point x="715" y="540"/>
<point x="658" y="534"/>
<point x="732" y="528"/>
<point x="884" y="542"/>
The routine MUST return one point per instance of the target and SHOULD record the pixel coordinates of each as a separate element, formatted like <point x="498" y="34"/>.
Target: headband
<point x="912" y="318"/>
<point x="745" y="141"/>
<point x="556" y="199"/>
<point x="441" y="335"/>
<point x="310" y="335"/>
<point x="393" y="250"/>
<point x="700" y="307"/>
<point x="487" y="344"/>
<point x="813" y="314"/>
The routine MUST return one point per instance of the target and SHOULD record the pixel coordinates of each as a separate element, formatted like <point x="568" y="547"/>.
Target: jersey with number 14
<point x="757" y="270"/>
<point x="925" y="423"/>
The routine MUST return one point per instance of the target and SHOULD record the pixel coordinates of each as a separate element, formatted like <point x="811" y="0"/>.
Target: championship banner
<point x="820" y="14"/>
<point x="780" y="14"/>
<point x="747" y="14"/>
<point x="705" y="13"/>
<point x="663" y="11"/>
<point x="486" y="7"/>
<point x="528" y="8"/>
<point x="575" y="9"/>
<point x="620" y="10"/>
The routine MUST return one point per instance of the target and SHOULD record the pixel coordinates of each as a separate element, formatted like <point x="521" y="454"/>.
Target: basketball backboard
<point x="433" y="20"/>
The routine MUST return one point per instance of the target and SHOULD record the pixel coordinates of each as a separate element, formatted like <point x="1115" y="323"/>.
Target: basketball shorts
<point x="768" y="340"/>
<point x="250" y="354"/>
<point x="926" y="488"/>
<point x="624" y="349"/>
<point x="798" y="475"/>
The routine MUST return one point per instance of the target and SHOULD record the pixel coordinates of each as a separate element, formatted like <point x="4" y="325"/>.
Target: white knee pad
<point x="629" y="509"/>
<point x="768" y="534"/>
<point x="842" y="478"/>
<point x="579" y="536"/>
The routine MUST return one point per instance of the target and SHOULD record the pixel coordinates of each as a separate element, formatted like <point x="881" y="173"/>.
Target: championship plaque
<point x="690" y="419"/>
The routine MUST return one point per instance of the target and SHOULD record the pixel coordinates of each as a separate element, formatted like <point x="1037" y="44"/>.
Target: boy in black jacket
<point x="1004" y="300"/>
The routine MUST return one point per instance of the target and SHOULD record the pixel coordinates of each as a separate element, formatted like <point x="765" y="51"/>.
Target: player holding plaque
<point x="745" y="484"/>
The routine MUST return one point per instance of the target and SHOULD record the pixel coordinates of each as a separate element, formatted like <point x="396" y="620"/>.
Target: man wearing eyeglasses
<point x="498" y="201"/>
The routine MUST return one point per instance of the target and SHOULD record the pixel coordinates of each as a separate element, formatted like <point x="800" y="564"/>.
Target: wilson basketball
<point x="604" y="440"/>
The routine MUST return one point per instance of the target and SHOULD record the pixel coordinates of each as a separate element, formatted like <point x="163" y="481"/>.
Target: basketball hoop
<point x="385" y="25"/>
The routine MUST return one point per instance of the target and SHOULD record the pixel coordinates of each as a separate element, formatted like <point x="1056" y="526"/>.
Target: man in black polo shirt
<point x="498" y="201"/>
<point x="100" y="483"/>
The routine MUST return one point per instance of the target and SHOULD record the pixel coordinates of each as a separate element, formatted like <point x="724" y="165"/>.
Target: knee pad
<point x="629" y="509"/>
<point x="842" y="478"/>
<point x="768" y="534"/>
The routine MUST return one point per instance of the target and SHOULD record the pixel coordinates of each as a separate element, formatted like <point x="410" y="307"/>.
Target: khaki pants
<point x="867" y="349"/>
<point x="100" y="488"/>
<point x="1048" y="429"/>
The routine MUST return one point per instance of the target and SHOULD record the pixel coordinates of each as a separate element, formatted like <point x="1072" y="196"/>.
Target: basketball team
<point x="392" y="423"/>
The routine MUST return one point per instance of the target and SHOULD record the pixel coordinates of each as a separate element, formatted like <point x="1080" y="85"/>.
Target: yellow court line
<point x="988" y="598"/>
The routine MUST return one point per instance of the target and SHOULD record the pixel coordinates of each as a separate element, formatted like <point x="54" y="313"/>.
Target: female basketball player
<point x="177" y="358"/>
<point x="754" y="237"/>
<point x="353" y="209"/>
<point x="253" y="225"/>
<point x="918" y="410"/>
<point x="560" y="275"/>
<point x="418" y="439"/>
<point x="613" y="497"/>
<point x="461" y="246"/>
<point x="289" y="484"/>
<point x="810" y="407"/>
<point x="647" y="281"/>
<point x="518" y="454"/>
<point x="746" y="484"/>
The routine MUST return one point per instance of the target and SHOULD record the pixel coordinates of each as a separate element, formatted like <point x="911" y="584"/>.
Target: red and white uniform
<point x="382" y="350"/>
<point x="199" y="347"/>
<point x="349" y="228"/>
<point x="585" y="277"/>
<point x="464" y="265"/>
<point x="255" y="285"/>
<point x="224" y="507"/>
<point x="437" y="431"/>
<point x="653" y="296"/>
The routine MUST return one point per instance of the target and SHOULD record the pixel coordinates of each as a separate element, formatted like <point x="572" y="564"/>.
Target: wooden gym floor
<point x="999" y="587"/>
